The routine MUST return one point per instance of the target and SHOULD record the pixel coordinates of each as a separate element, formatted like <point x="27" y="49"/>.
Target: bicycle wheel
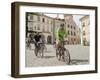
<point x="36" y="51"/>
<point x="42" y="53"/>
<point x="41" y="50"/>
<point x="58" y="54"/>
<point x="66" y="56"/>
<point x="57" y="51"/>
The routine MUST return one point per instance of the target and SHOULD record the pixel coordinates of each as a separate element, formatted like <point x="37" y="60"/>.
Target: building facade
<point x="73" y="29"/>
<point x="41" y="23"/>
<point x="48" y="26"/>
<point x="85" y="24"/>
<point x="78" y="36"/>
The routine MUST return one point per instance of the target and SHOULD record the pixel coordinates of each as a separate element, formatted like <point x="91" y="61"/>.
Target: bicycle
<point x="28" y="43"/>
<point x="39" y="49"/>
<point x="63" y="53"/>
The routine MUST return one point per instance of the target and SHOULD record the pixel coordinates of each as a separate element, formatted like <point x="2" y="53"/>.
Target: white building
<point x="85" y="23"/>
<point x="41" y="23"/>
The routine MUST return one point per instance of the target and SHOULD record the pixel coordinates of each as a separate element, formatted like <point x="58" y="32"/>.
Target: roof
<point x="85" y="17"/>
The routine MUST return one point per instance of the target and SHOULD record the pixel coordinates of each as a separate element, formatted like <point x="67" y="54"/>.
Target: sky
<point x="77" y="18"/>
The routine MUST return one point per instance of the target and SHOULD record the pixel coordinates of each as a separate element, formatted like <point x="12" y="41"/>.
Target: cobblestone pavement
<point x="79" y="55"/>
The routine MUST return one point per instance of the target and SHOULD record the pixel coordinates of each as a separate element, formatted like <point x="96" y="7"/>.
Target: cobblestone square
<point x="79" y="56"/>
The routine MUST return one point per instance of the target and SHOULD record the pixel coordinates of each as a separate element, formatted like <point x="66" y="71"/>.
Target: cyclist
<point x="42" y="38"/>
<point x="29" y="40"/>
<point x="61" y="35"/>
<point x="37" y="38"/>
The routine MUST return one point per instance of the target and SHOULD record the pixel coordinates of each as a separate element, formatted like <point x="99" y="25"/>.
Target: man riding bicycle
<point x="39" y="43"/>
<point x="61" y="35"/>
<point x="37" y="38"/>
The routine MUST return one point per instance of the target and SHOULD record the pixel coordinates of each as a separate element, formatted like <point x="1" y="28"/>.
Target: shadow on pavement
<point x="46" y="57"/>
<point x="76" y="62"/>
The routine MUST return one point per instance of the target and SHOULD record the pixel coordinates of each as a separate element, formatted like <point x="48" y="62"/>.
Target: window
<point x="74" y="28"/>
<point x="83" y="25"/>
<point x="83" y="32"/>
<point x="68" y="32"/>
<point x="30" y="24"/>
<point x="35" y="27"/>
<point x="68" y="26"/>
<point x="30" y="17"/>
<point x="71" y="33"/>
<point x="74" y="39"/>
<point x="31" y="28"/>
<point x="38" y="28"/>
<point x="71" y="26"/>
<point x="38" y="17"/>
<point x="74" y="34"/>
<point x="43" y="20"/>
<point x="84" y="39"/>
